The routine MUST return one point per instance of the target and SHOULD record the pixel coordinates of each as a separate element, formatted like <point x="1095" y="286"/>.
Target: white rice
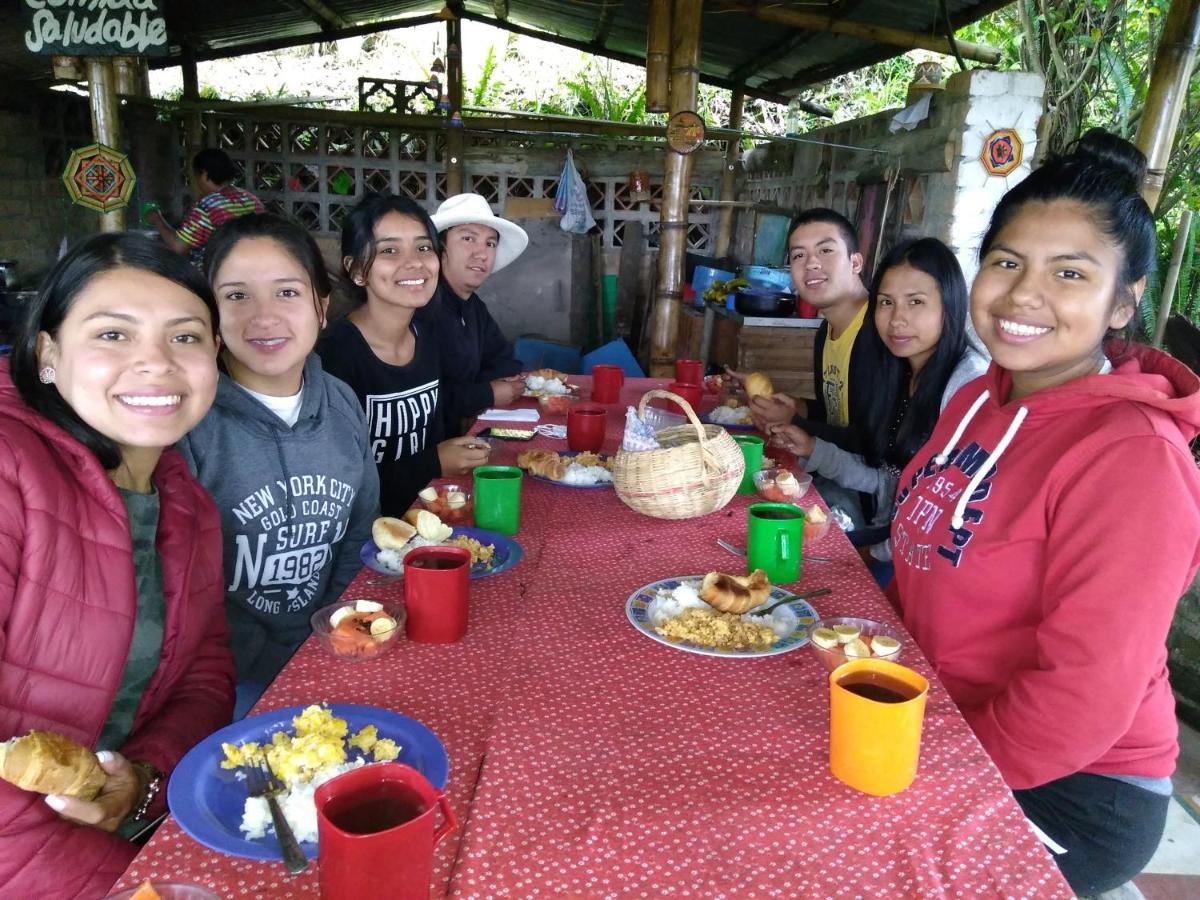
<point x="726" y="415"/>
<point x="546" y="385"/>
<point x="393" y="560"/>
<point x="586" y="475"/>
<point x="297" y="805"/>
<point x="667" y="604"/>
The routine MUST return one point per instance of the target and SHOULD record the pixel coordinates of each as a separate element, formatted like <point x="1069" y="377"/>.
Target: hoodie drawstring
<point x="956" y="521"/>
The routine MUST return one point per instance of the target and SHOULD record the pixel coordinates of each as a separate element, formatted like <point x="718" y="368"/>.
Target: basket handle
<point x="687" y="408"/>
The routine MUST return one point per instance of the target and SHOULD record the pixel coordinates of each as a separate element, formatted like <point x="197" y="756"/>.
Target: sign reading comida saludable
<point x="96" y="27"/>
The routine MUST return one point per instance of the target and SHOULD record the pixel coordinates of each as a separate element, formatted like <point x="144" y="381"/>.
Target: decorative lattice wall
<point x="317" y="172"/>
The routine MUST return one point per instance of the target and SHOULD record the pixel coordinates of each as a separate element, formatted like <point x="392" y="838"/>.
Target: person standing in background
<point x="218" y="200"/>
<point x="479" y="367"/>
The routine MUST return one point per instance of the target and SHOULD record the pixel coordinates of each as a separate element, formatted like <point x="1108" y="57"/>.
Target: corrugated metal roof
<point x="767" y="57"/>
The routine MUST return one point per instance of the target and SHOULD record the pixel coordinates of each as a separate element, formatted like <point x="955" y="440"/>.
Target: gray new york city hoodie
<point x="296" y="506"/>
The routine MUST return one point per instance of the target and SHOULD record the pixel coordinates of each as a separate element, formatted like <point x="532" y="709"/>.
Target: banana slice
<point x="338" y="615"/>
<point x="857" y="649"/>
<point x="367" y="606"/>
<point x="429" y="494"/>
<point x="825" y="638"/>
<point x="882" y="645"/>
<point x="846" y="633"/>
<point x="383" y="628"/>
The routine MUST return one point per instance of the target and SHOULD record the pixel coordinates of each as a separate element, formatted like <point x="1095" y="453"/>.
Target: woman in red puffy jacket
<point x="112" y="631"/>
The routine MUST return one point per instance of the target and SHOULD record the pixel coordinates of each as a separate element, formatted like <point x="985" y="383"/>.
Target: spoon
<point x="791" y="598"/>
<point x="387" y="579"/>
<point x="738" y="551"/>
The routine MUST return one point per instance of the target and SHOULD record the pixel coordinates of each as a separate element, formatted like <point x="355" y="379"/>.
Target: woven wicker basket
<point x="697" y="470"/>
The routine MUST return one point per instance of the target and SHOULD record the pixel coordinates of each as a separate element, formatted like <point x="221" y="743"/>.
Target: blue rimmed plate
<point x="507" y="554"/>
<point x="793" y="619"/>
<point x="208" y="801"/>
<point x="586" y="487"/>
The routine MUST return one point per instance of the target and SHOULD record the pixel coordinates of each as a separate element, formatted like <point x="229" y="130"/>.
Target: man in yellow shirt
<point x="827" y="272"/>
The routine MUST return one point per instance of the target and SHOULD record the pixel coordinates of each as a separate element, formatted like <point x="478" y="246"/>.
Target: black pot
<point x="760" y="302"/>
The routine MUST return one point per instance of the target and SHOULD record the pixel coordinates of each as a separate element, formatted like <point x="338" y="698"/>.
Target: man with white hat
<point x="479" y="368"/>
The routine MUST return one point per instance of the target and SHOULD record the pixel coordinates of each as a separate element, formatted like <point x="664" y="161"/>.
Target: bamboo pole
<point x="1168" y="294"/>
<point x="878" y="34"/>
<point x="672" y="248"/>
<point x="1173" y="62"/>
<point x="106" y="122"/>
<point x="193" y="135"/>
<point x="454" y="93"/>
<point x="733" y="154"/>
<point x="658" y="50"/>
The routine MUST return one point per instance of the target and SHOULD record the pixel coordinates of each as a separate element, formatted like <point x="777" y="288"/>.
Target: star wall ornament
<point x="99" y="178"/>
<point x="1002" y="151"/>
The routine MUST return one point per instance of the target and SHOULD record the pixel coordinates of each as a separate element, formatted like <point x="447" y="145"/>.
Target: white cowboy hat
<point x="472" y="209"/>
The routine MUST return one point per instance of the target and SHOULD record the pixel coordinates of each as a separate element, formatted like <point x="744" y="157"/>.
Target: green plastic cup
<point x="774" y="540"/>
<point x="752" y="452"/>
<point x="498" y="498"/>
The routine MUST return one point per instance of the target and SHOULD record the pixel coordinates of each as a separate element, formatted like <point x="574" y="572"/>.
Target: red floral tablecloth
<point x="590" y="761"/>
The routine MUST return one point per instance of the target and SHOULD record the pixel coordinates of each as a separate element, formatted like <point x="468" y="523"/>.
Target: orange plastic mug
<point x="875" y="712"/>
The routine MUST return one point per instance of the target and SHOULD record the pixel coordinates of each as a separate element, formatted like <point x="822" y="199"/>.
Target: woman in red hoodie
<point x="1046" y="531"/>
<point x="112" y="630"/>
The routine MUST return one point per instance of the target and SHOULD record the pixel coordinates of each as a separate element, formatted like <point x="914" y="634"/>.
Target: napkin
<point x="511" y="415"/>
<point x="552" y="431"/>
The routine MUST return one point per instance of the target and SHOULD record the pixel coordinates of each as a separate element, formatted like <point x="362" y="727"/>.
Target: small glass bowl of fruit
<point x="780" y="485"/>
<point x="358" y="630"/>
<point x="450" y="502"/>
<point x="816" y="524"/>
<point x="840" y="639"/>
<point x="557" y="404"/>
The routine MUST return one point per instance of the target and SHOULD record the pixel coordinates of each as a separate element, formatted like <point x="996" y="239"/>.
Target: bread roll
<point x="391" y="534"/>
<point x="430" y="527"/>
<point x="49" y="763"/>
<point x="758" y="385"/>
<point x="735" y="593"/>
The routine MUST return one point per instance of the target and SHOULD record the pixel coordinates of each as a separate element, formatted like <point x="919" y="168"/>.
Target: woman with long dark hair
<point x="918" y="350"/>
<point x="389" y="356"/>
<point x="287" y="434"/>
<point x="1046" y="531"/>
<point x="112" y="631"/>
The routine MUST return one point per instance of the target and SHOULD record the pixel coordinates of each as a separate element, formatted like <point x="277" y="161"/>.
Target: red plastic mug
<point x="606" y="383"/>
<point x="689" y="392"/>
<point x="585" y="427"/>
<point x="436" y="588"/>
<point x="689" y="371"/>
<point x="376" y="834"/>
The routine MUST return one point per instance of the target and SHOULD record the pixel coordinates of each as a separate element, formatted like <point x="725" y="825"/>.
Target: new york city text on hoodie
<point x="1040" y="546"/>
<point x="296" y="507"/>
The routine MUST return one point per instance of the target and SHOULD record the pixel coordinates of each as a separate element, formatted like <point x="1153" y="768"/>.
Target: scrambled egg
<point x="319" y="741"/>
<point x="721" y="631"/>
<point x="480" y="553"/>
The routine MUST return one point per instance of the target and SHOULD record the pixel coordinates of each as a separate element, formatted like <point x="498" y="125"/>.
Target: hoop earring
<point x="46" y="375"/>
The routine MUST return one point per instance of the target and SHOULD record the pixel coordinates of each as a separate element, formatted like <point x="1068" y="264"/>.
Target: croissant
<point x="733" y="593"/>
<point x="49" y="763"/>
<point x="545" y="463"/>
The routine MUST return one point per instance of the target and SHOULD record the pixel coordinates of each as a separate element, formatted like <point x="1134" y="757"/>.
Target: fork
<point x="738" y="551"/>
<point x="262" y="782"/>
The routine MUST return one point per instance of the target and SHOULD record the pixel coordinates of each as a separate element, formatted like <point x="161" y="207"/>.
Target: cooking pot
<point x="758" y="301"/>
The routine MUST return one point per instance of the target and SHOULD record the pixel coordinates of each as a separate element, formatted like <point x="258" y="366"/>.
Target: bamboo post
<point x="1168" y="293"/>
<point x="106" y="122"/>
<point x="192" y="133"/>
<point x="733" y="153"/>
<point x="658" y="50"/>
<point x="454" y="94"/>
<point x="1167" y="92"/>
<point x="685" y="79"/>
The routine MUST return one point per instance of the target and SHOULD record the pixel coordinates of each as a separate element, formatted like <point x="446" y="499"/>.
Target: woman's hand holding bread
<point x="122" y="791"/>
